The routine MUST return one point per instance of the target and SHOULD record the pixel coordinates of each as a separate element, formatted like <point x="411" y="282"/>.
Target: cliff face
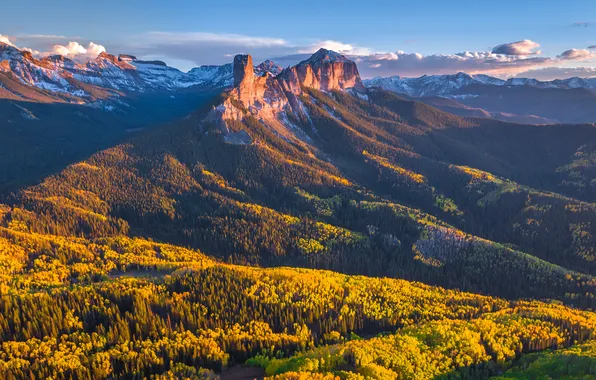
<point x="255" y="91"/>
<point x="325" y="70"/>
<point x="269" y="98"/>
<point x="243" y="69"/>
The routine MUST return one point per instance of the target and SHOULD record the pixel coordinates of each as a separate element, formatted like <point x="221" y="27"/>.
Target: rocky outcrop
<point x="270" y="98"/>
<point x="244" y="77"/>
<point x="105" y="59"/>
<point x="256" y="91"/>
<point x="243" y="69"/>
<point x="325" y="70"/>
<point x="59" y="61"/>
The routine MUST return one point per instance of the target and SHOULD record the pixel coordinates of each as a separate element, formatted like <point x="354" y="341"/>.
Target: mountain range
<point x="520" y="100"/>
<point x="299" y="221"/>
<point x="63" y="76"/>
<point x="446" y="85"/>
<point x="103" y="82"/>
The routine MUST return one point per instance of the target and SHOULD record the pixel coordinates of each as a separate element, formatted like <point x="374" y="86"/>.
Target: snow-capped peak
<point x="267" y="66"/>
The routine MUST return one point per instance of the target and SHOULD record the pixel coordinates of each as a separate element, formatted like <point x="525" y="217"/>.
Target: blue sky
<point x="278" y="28"/>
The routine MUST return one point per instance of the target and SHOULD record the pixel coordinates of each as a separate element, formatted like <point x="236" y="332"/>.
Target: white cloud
<point x="5" y="40"/>
<point x="504" y="60"/>
<point x="385" y="56"/>
<point x="70" y="49"/>
<point x="337" y="46"/>
<point x="94" y="49"/>
<point x="577" y="54"/>
<point x="42" y="37"/>
<point x="76" y="51"/>
<point x="523" y="47"/>
<point x="199" y="48"/>
<point x="32" y="51"/>
<point x="226" y="39"/>
<point x="212" y="48"/>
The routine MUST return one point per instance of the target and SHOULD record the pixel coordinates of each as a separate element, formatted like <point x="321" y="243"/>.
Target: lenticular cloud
<point x="524" y="47"/>
<point x="577" y="54"/>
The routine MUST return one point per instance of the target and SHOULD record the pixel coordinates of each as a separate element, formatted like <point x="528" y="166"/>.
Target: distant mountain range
<point x="450" y="85"/>
<point x="520" y="100"/>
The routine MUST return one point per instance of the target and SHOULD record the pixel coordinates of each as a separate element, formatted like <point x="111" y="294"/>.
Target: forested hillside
<point x="40" y="138"/>
<point x="358" y="199"/>
<point x="118" y="307"/>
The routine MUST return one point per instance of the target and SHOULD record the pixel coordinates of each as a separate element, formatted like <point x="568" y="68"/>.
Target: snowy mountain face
<point x="46" y="74"/>
<point x="524" y="100"/>
<point x="449" y="85"/>
<point x="213" y="76"/>
<point x="268" y="66"/>
<point x="431" y="85"/>
<point x="54" y="75"/>
<point x="128" y="73"/>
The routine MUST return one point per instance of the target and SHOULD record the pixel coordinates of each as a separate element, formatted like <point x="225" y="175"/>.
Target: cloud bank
<point x="504" y="60"/>
<point x="415" y="64"/>
<point x="577" y="54"/>
<point x="212" y="48"/>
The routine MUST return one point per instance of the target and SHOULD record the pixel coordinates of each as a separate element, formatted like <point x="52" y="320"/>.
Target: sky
<point x="547" y="38"/>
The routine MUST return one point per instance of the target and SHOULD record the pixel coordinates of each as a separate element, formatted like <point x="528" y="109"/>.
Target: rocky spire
<point x="243" y="69"/>
<point x="244" y="78"/>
